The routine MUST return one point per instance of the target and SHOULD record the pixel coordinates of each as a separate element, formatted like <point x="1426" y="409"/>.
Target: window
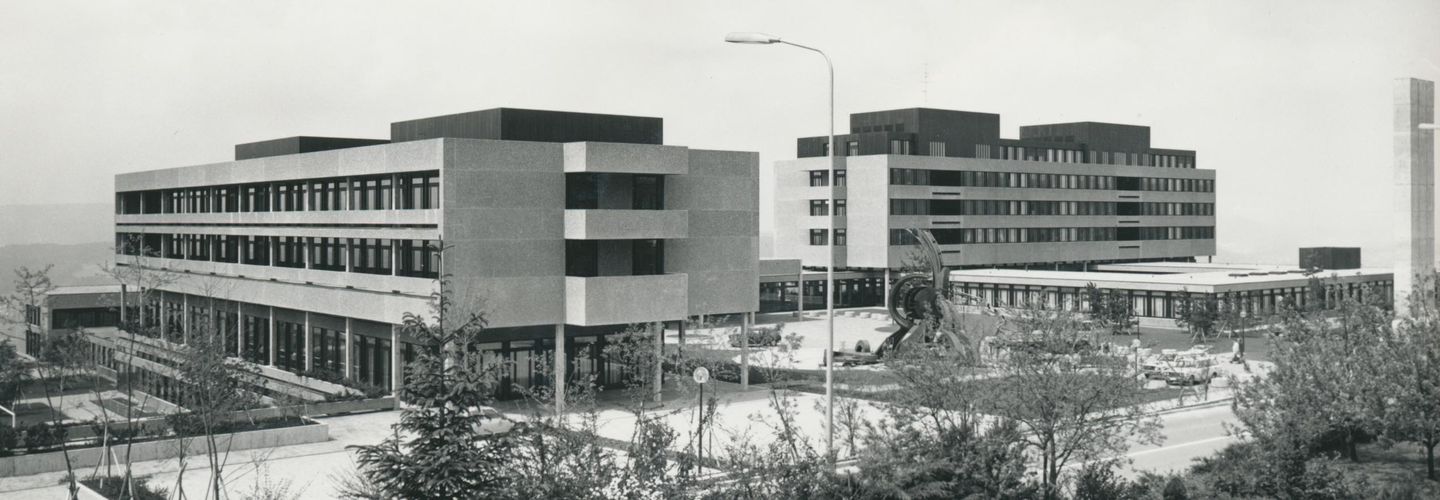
<point x="256" y="250"/>
<point x="370" y="193"/>
<point x="817" y="237"/>
<point x="818" y="207"/>
<point x="647" y="257"/>
<point x="839" y="178"/>
<point x="852" y="148"/>
<point x="290" y="251"/>
<point x="818" y="178"/>
<point x="649" y="192"/>
<point x="327" y="254"/>
<point x="898" y="147"/>
<point x="419" y="259"/>
<point x="840" y="207"/>
<point x="370" y="256"/>
<point x="420" y="191"/>
<point x="839" y="237"/>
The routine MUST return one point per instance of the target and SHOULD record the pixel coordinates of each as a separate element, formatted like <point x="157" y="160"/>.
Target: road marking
<point x="1181" y="445"/>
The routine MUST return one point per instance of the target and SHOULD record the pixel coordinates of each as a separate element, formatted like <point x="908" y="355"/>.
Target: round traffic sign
<point x="702" y="375"/>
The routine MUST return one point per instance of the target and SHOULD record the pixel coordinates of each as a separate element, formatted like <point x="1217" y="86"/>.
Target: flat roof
<point x="84" y="289"/>
<point x="1173" y="276"/>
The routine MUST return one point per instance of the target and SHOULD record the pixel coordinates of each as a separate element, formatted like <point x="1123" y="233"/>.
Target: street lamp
<point x="764" y="39"/>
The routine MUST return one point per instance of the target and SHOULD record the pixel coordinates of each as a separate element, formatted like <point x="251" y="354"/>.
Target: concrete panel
<point x="381" y="159"/>
<point x="626" y="224"/>
<point x="610" y="300"/>
<point x="609" y="157"/>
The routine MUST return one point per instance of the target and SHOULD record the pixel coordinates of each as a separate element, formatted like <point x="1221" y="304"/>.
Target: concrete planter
<point x="82" y="458"/>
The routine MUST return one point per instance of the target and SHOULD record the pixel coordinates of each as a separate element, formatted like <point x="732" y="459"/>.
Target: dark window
<point x="256" y="250"/>
<point x="839" y="178"/>
<point x="839" y="237"/>
<point x="290" y="251"/>
<point x="582" y="191"/>
<point x="420" y="191"/>
<point x="818" y="178"/>
<point x="817" y="207"/>
<point x="817" y="236"/>
<point x="327" y="254"/>
<point x="582" y="258"/>
<point x="419" y="259"/>
<point x="649" y="192"/>
<point x="648" y="257"/>
<point x="840" y="207"/>
<point x="370" y="256"/>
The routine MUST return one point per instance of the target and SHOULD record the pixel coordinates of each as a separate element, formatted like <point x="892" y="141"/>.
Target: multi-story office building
<point x="1062" y="196"/>
<point x="565" y="226"/>
<point x="1065" y="194"/>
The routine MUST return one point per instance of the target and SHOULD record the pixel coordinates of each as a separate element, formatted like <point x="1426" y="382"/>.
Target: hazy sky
<point x="1289" y="101"/>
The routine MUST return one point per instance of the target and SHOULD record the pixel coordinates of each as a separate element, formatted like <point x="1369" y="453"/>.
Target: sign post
<point x="702" y="376"/>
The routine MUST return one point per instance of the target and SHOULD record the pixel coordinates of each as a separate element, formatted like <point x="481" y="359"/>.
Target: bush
<point x="9" y="439"/>
<point x="862" y="346"/>
<point x="113" y="487"/>
<point x="43" y="435"/>
<point x="367" y="391"/>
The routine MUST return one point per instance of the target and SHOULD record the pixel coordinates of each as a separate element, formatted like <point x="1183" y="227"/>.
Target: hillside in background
<point x="67" y="223"/>
<point x="75" y="264"/>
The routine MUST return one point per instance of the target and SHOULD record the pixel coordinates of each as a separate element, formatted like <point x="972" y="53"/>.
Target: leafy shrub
<point x="113" y="487"/>
<point x="9" y="439"/>
<point x="43" y="435"/>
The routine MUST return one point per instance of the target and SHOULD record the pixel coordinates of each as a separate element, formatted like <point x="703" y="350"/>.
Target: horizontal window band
<point x="264" y="225"/>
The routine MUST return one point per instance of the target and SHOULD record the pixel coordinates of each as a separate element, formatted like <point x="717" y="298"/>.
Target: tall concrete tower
<point x="1414" y="185"/>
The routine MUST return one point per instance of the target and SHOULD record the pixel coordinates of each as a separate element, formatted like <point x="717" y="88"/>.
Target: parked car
<point x="1191" y="370"/>
<point x="493" y="422"/>
<point x="759" y="337"/>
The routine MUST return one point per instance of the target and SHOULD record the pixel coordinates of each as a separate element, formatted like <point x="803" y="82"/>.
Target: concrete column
<point x="185" y="318"/>
<point x="887" y="290"/>
<point x="659" y="329"/>
<point x="746" y="320"/>
<point x="560" y="368"/>
<point x="349" y="345"/>
<point x="239" y="331"/>
<point x="273" y="327"/>
<point x="800" y="294"/>
<point x="1414" y="172"/>
<point x="397" y="372"/>
<point x="309" y="361"/>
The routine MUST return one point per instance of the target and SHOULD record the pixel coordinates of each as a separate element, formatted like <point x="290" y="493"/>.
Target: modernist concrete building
<point x="96" y="309"/>
<point x="1063" y="196"/>
<point x="565" y="226"/>
<point x="1154" y="289"/>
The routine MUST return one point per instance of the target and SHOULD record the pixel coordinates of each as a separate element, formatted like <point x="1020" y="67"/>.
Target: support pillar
<point x="887" y="290"/>
<point x="560" y="366"/>
<point x="185" y="318"/>
<point x="309" y="356"/>
<point x="746" y="320"/>
<point x="349" y="346"/>
<point x="800" y="295"/>
<point x="274" y="325"/>
<point x="1414" y="192"/>
<point x="397" y="370"/>
<point x="659" y="329"/>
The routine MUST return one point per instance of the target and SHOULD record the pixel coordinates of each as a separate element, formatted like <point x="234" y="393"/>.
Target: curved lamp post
<point x="764" y="39"/>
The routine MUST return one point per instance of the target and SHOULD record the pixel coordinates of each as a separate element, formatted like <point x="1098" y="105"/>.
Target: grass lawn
<point x="1401" y="463"/>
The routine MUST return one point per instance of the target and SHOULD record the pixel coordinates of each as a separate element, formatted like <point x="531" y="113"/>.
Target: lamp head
<point x="751" y="37"/>
<point x="1427" y="126"/>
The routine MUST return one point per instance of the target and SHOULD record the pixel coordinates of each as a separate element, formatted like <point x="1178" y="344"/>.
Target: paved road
<point x="1189" y="435"/>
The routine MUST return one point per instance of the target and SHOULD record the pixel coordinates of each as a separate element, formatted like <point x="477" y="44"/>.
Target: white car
<point x="493" y="422"/>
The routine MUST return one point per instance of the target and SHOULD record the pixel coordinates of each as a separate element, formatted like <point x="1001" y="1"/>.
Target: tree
<point x="1200" y="313"/>
<point x="1112" y="310"/>
<point x="138" y="279"/>
<point x="1413" y="372"/>
<point x="214" y="387"/>
<point x="1071" y="404"/>
<point x="438" y="449"/>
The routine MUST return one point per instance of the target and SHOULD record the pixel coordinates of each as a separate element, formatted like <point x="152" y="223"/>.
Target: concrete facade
<point x="1414" y="174"/>
<point x="1043" y="198"/>
<point x="662" y="233"/>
